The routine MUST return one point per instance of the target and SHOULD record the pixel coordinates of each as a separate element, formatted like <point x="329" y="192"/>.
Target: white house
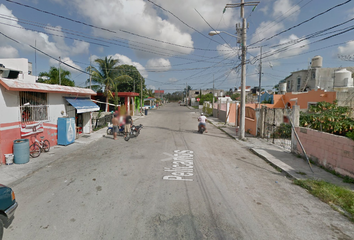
<point x="29" y="108"/>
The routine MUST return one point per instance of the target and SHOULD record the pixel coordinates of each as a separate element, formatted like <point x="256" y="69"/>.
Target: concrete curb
<point x="284" y="167"/>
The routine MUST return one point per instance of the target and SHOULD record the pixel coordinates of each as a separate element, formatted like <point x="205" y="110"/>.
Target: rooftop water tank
<point x="316" y="62"/>
<point x="343" y="78"/>
<point x="282" y="87"/>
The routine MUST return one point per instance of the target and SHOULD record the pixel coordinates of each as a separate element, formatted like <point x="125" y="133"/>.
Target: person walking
<point x="128" y="124"/>
<point x="115" y="124"/>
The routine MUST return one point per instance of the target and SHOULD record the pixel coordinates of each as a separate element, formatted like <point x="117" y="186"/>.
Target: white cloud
<point x="351" y="13"/>
<point x="151" y="87"/>
<point x="66" y="60"/>
<point x="53" y="45"/>
<point x="172" y="80"/>
<point x="8" y="52"/>
<point x="264" y="10"/>
<point x="160" y="64"/>
<point x="293" y="49"/>
<point x="125" y="60"/>
<point x="143" y="18"/>
<point x="209" y="9"/>
<point x="347" y="49"/>
<point x="266" y="30"/>
<point x="224" y="50"/>
<point x="285" y="8"/>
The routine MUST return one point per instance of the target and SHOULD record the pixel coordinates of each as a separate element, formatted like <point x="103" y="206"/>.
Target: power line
<point x="182" y="21"/>
<point x="265" y="28"/>
<point x="6" y="24"/>
<point x="101" y="28"/>
<point x="303" y="22"/>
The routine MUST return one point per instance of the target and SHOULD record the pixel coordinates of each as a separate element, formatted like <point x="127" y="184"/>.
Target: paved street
<point x="169" y="183"/>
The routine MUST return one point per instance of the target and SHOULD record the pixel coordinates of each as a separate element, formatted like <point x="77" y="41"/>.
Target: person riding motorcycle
<point x="202" y="122"/>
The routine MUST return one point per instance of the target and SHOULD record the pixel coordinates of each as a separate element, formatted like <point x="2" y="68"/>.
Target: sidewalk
<point x="294" y="167"/>
<point x="13" y="174"/>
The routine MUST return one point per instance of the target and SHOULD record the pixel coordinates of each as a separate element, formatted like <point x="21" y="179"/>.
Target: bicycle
<point x="37" y="147"/>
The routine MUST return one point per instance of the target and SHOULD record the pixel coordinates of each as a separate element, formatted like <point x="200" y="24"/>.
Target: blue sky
<point x="168" y="40"/>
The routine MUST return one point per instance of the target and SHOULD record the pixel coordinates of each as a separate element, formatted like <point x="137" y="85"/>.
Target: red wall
<point x="8" y="136"/>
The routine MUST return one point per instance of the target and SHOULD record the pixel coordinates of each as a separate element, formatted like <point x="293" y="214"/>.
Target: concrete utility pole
<point x="59" y="72"/>
<point x="90" y="72"/>
<point x="243" y="63"/>
<point x="213" y="92"/>
<point x="260" y="80"/>
<point x="141" y="94"/>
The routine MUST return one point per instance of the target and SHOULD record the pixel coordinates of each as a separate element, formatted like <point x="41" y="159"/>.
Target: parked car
<point x="8" y="206"/>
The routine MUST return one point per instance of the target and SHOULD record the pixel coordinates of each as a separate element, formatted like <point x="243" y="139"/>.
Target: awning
<point x="82" y="105"/>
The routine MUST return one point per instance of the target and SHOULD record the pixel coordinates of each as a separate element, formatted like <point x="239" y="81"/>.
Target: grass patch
<point x="301" y="173"/>
<point x="331" y="194"/>
<point x="347" y="179"/>
<point x="196" y="107"/>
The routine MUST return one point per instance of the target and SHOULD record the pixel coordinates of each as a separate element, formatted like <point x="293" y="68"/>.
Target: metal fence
<point x="101" y="121"/>
<point x="277" y="127"/>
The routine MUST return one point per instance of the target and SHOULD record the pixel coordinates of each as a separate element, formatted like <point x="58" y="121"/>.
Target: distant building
<point x="339" y="80"/>
<point x="159" y="93"/>
<point x="316" y="77"/>
<point x="196" y="93"/>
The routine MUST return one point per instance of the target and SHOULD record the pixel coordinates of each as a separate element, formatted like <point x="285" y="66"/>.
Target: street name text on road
<point x="182" y="166"/>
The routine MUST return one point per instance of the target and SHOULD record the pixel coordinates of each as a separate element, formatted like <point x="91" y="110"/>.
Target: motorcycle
<point x="201" y="128"/>
<point x="120" y="130"/>
<point x="134" y="132"/>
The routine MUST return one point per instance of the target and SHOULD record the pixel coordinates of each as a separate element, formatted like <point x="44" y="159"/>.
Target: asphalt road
<point x="169" y="183"/>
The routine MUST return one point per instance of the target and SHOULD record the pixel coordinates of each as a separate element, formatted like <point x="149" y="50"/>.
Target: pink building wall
<point x="329" y="150"/>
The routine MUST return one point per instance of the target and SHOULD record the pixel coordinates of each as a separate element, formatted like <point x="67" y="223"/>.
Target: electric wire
<point x="301" y="23"/>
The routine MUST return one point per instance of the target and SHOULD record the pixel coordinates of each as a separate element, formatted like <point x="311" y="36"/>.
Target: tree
<point x="116" y="82"/>
<point x="328" y="117"/>
<point x="105" y="74"/>
<point x="186" y="90"/>
<point x="150" y="93"/>
<point x="134" y="83"/>
<point x="52" y="77"/>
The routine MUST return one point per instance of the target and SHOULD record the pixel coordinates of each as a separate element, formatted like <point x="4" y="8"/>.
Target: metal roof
<point x="21" y="86"/>
<point x="82" y="105"/>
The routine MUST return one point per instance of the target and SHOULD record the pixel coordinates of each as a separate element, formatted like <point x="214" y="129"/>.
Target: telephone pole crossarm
<point x="235" y="5"/>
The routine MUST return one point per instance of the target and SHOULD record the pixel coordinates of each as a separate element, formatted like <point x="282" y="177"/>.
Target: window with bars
<point x="33" y="106"/>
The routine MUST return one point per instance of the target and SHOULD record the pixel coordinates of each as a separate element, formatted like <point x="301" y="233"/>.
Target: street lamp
<point x="213" y="33"/>
<point x="243" y="83"/>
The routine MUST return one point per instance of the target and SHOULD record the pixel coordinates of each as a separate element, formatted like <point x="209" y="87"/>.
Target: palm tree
<point x="105" y="74"/>
<point x="116" y="82"/>
<point x="53" y="77"/>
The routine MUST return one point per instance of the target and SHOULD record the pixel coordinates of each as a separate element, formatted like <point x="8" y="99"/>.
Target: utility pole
<point x="213" y="92"/>
<point x="186" y="95"/>
<point x="141" y="94"/>
<point x="90" y="71"/>
<point x="243" y="63"/>
<point x="59" y="72"/>
<point x="260" y="80"/>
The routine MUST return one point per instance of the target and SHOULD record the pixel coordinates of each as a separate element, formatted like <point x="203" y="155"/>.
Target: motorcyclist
<point x="202" y="121"/>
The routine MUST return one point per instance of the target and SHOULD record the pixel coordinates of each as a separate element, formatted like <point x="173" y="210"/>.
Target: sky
<point x="168" y="41"/>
